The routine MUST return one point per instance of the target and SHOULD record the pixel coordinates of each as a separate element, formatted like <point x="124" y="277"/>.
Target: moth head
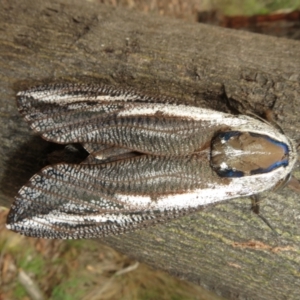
<point x="238" y="154"/>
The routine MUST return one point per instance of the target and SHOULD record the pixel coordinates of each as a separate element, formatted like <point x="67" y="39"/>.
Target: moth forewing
<point x="192" y="157"/>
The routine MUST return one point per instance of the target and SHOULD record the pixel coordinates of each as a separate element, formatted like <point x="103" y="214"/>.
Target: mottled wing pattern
<point x="88" y="201"/>
<point x="158" y="161"/>
<point x="100" y="114"/>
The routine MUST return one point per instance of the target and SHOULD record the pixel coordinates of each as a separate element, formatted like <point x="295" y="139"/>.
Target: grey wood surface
<point x="224" y="248"/>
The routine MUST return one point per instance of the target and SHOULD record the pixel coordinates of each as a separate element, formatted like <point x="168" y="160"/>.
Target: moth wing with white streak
<point x="100" y="114"/>
<point x="85" y="201"/>
<point x="173" y="177"/>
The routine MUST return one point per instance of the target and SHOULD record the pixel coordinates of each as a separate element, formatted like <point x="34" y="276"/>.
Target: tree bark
<point x="224" y="248"/>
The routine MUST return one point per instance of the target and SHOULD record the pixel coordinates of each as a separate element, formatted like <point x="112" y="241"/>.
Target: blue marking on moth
<point x="149" y="160"/>
<point x="238" y="149"/>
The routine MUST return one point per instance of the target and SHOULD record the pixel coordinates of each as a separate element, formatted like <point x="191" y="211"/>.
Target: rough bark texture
<point x="225" y="248"/>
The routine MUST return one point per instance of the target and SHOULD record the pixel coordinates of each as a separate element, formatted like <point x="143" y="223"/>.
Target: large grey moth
<point x="149" y="161"/>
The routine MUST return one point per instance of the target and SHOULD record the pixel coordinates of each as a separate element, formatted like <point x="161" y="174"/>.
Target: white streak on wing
<point x="239" y="123"/>
<point x="238" y="187"/>
<point x="67" y="98"/>
<point x="58" y="217"/>
<point x="193" y="113"/>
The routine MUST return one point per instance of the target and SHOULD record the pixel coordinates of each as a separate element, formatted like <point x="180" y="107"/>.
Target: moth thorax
<point x="237" y="154"/>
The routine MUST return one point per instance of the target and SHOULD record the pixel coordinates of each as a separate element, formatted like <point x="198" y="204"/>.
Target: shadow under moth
<point x="149" y="161"/>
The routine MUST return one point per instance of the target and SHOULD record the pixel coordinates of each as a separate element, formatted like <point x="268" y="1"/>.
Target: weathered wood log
<point x="225" y="248"/>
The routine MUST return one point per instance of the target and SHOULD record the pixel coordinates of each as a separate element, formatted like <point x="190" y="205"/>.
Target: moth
<point x="150" y="161"/>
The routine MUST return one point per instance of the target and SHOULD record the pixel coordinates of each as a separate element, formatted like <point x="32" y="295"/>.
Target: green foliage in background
<point x="255" y="7"/>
